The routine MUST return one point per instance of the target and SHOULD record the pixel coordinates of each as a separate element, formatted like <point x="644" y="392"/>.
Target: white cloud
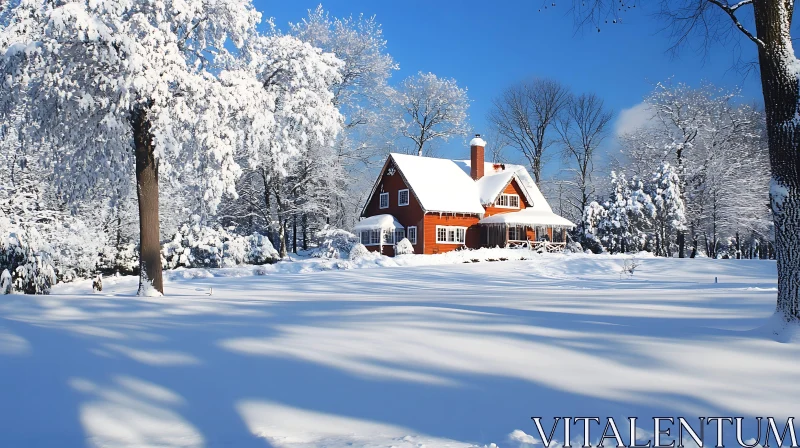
<point x="633" y="118"/>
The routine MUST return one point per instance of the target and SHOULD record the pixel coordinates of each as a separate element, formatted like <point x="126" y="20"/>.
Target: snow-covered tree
<point x="362" y="95"/>
<point x="128" y="87"/>
<point x="430" y="109"/>
<point x="151" y="87"/>
<point x="670" y="217"/>
<point x="594" y="217"/>
<point x="298" y="165"/>
<point x="769" y="28"/>
<point x="718" y="146"/>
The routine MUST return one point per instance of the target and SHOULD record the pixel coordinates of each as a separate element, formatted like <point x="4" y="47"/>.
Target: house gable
<point x="512" y="187"/>
<point x="392" y="181"/>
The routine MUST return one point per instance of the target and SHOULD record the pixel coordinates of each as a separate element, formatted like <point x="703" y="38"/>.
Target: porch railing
<point x="539" y="246"/>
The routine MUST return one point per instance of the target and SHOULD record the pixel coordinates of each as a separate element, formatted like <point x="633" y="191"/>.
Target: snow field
<point x="414" y="352"/>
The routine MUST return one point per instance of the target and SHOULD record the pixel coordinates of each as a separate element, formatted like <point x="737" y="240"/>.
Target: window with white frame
<point x="384" y="200"/>
<point x="411" y="234"/>
<point x="517" y="233"/>
<point x="370" y="237"/>
<point x="508" y="201"/>
<point x="402" y="197"/>
<point x="399" y="234"/>
<point x="388" y="236"/>
<point x="451" y="234"/>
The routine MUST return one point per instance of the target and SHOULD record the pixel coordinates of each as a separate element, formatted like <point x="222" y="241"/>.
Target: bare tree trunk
<point x="147" y="194"/>
<point x="294" y="234"/>
<point x="305" y="231"/>
<point x="282" y="236"/>
<point x="738" y="247"/>
<point x="779" y="83"/>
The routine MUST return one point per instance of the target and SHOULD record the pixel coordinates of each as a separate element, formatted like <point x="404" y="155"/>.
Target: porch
<point x="542" y="231"/>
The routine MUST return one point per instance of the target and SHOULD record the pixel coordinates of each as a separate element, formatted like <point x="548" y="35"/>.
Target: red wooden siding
<point x="408" y="215"/>
<point x="473" y="238"/>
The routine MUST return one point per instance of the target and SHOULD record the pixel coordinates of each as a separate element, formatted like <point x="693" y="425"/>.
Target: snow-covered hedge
<point x="198" y="246"/>
<point x="333" y="243"/>
<point x="359" y="251"/>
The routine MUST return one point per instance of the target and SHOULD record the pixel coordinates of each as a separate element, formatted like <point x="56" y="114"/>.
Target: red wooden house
<point x="442" y="205"/>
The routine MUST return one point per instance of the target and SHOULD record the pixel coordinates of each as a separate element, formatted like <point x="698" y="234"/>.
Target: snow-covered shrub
<point x="5" y="282"/>
<point x="25" y="254"/>
<point x="573" y="247"/>
<point x="75" y="249"/>
<point x="261" y="250"/>
<point x="119" y="260"/>
<point x="333" y="243"/>
<point x="36" y="276"/>
<point x="358" y="252"/>
<point x="404" y="247"/>
<point x="195" y="246"/>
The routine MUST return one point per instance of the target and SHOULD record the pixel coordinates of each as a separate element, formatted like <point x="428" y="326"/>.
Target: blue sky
<point x="488" y="45"/>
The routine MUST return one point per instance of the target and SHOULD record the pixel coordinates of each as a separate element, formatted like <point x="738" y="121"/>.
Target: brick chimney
<point x="476" y="147"/>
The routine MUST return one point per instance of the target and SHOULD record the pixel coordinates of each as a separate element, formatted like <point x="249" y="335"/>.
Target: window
<point x="402" y="197"/>
<point x="508" y="201"/>
<point x="451" y="234"/>
<point x="412" y="234"/>
<point x="541" y="234"/>
<point x="399" y="234"/>
<point x="517" y="233"/>
<point x="558" y="235"/>
<point x="370" y="237"/>
<point x="387" y="236"/>
<point x="384" y="200"/>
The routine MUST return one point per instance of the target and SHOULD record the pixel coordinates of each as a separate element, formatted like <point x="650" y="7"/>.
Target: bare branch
<point x="731" y="11"/>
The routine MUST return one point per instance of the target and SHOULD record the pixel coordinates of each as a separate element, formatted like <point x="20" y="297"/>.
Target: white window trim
<point x="408" y="197"/>
<point x="408" y="234"/>
<point x="380" y="234"/>
<point x="497" y="203"/>
<point x="380" y="200"/>
<point x="448" y="229"/>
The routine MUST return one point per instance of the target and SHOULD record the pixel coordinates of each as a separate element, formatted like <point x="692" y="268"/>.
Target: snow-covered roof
<point x="439" y="184"/>
<point x="528" y="217"/>
<point x="489" y="184"/>
<point x="477" y="141"/>
<point x="378" y="222"/>
<point x="489" y="187"/>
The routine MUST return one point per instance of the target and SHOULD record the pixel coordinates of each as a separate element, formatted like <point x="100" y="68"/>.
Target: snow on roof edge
<point x="528" y="217"/>
<point x="379" y="222"/>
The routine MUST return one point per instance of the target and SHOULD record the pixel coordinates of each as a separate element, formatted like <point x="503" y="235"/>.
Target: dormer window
<point x="508" y="201"/>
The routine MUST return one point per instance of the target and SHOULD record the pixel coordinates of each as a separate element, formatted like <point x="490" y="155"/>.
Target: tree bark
<point x="147" y="194"/>
<point x="779" y="83"/>
<point x="282" y="235"/>
<point x="305" y="231"/>
<point x="294" y="234"/>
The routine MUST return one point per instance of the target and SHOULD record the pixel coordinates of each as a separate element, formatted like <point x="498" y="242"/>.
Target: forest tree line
<point x="239" y="146"/>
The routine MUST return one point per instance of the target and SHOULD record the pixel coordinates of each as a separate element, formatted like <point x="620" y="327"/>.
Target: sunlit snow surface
<point x="418" y="351"/>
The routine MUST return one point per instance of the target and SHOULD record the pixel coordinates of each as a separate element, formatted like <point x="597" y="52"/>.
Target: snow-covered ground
<point x="458" y="354"/>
